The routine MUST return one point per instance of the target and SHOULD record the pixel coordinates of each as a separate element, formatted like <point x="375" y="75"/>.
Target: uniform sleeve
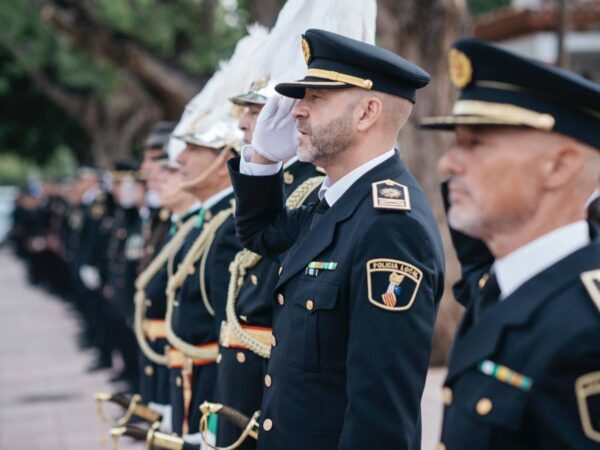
<point x="398" y="275"/>
<point x="474" y="256"/>
<point x="263" y="224"/>
<point x="567" y="398"/>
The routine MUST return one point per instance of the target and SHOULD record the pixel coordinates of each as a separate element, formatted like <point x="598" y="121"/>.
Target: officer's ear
<point x="565" y="164"/>
<point x="368" y="111"/>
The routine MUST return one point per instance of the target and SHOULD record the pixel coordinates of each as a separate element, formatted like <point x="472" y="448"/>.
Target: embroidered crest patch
<point x="591" y="281"/>
<point x="388" y="194"/>
<point x="392" y="284"/>
<point x="587" y="390"/>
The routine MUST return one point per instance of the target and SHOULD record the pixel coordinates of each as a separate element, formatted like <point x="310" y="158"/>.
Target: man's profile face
<point x="194" y="160"/>
<point x="324" y="120"/>
<point x="247" y="122"/>
<point x="496" y="179"/>
<point x="150" y="166"/>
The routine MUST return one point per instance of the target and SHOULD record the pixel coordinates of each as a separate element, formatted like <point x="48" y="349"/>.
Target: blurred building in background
<point x="531" y="27"/>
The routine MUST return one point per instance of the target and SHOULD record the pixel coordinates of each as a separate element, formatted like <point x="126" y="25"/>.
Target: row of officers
<point x="292" y="287"/>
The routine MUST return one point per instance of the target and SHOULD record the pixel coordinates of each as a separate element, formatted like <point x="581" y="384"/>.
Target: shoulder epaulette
<point x="387" y="194"/>
<point x="591" y="281"/>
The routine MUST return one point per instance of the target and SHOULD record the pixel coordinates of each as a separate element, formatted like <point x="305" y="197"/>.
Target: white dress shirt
<point x="524" y="263"/>
<point x="214" y="199"/>
<point x="331" y="191"/>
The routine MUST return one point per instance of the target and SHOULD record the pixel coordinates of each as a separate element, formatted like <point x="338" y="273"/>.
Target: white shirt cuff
<point x="261" y="170"/>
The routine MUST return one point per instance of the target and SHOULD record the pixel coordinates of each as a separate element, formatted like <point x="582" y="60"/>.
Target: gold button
<point x="441" y="446"/>
<point x="178" y="381"/>
<point x="310" y="305"/>
<point x="191" y="270"/>
<point x="447" y="396"/>
<point x="280" y="270"/>
<point x="268" y="380"/>
<point x="240" y="357"/>
<point x="219" y="358"/>
<point x="484" y="406"/>
<point x="147" y="303"/>
<point x="207" y="215"/>
<point x="150" y="249"/>
<point x="280" y="299"/>
<point x="483" y="280"/>
<point x="273" y="341"/>
<point x="149" y="370"/>
<point x="254" y="279"/>
<point x="267" y="424"/>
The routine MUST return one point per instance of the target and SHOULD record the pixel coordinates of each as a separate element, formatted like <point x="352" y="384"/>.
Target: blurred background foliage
<point x="67" y="80"/>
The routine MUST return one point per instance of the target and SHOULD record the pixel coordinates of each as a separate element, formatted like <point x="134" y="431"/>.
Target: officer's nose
<point x="300" y="110"/>
<point x="449" y="163"/>
<point x="244" y="122"/>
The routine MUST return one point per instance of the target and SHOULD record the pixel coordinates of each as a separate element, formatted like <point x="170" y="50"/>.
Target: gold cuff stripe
<point x="176" y="359"/>
<point x="229" y="339"/>
<point x="341" y="77"/>
<point x="505" y="113"/>
<point x="154" y="329"/>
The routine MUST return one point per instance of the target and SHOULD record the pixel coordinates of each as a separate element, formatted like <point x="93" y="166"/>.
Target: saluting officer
<point x="245" y="337"/>
<point x="362" y="270"/>
<point x="525" y="367"/>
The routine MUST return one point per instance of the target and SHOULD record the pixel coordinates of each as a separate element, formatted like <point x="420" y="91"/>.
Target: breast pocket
<point x="492" y="410"/>
<point x="315" y="330"/>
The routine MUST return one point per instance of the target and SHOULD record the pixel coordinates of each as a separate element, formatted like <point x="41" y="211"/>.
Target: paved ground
<point x="46" y="395"/>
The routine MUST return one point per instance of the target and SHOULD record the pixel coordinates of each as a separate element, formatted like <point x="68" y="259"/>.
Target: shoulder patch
<point x="587" y="390"/>
<point x="392" y="284"/>
<point x="388" y="194"/>
<point x="591" y="281"/>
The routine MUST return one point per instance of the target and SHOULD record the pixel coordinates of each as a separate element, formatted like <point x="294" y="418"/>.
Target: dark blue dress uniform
<point x="524" y="372"/>
<point x="193" y="323"/>
<point x="150" y="326"/>
<point x="241" y="371"/>
<point x="348" y="362"/>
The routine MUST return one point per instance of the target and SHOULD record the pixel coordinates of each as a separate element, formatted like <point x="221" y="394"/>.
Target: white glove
<point x="275" y="135"/>
<point x="90" y="277"/>
<point x="165" y="412"/>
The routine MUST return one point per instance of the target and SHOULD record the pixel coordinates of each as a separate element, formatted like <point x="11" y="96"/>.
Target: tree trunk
<point x="265" y="11"/>
<point x="422" y="31"/>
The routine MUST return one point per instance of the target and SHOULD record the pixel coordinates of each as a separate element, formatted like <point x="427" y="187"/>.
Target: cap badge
<point x="461" y="70"/>
<point x="306" y="50"/>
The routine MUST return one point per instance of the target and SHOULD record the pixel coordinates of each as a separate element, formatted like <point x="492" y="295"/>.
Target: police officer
<point x="197" y="290"/>
<point x="124" y="251"/>
<point x="245" y="337"/>
<point x="151" y="285"/>
<point x="525" y="367"/>
<point x="361" y="271"/>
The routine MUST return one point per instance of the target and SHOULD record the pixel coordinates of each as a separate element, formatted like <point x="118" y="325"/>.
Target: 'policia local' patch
<point x="392" y="284"/>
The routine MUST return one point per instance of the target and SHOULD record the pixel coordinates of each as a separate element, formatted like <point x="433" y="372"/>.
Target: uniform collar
<point x="529" y="260"/>
<point x="334" y="191"/>
<point x="214" y="199"/>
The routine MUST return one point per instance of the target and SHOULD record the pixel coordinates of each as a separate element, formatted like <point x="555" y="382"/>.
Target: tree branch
<point x="81" y="24"/>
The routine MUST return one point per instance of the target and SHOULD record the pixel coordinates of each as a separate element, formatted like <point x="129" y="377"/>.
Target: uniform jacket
<point x="241" y="372"/>
<point x="346" y="370"/>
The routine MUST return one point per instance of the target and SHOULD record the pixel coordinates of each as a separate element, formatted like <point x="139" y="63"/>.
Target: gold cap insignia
<point x="388" y="194"/>
<point x="306" y="50"/>
<point x="259" y="84"/>
<point x="461" y="70"/>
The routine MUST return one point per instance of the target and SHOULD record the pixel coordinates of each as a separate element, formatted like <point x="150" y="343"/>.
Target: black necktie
<point x="489" y="294"/>
<point x="321" y="208"/>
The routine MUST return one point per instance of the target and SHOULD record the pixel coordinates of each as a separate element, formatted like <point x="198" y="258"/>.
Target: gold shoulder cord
<point x="245" y="260"/>
<point x="200" y="246"/>
<point x="142" y="281"/>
